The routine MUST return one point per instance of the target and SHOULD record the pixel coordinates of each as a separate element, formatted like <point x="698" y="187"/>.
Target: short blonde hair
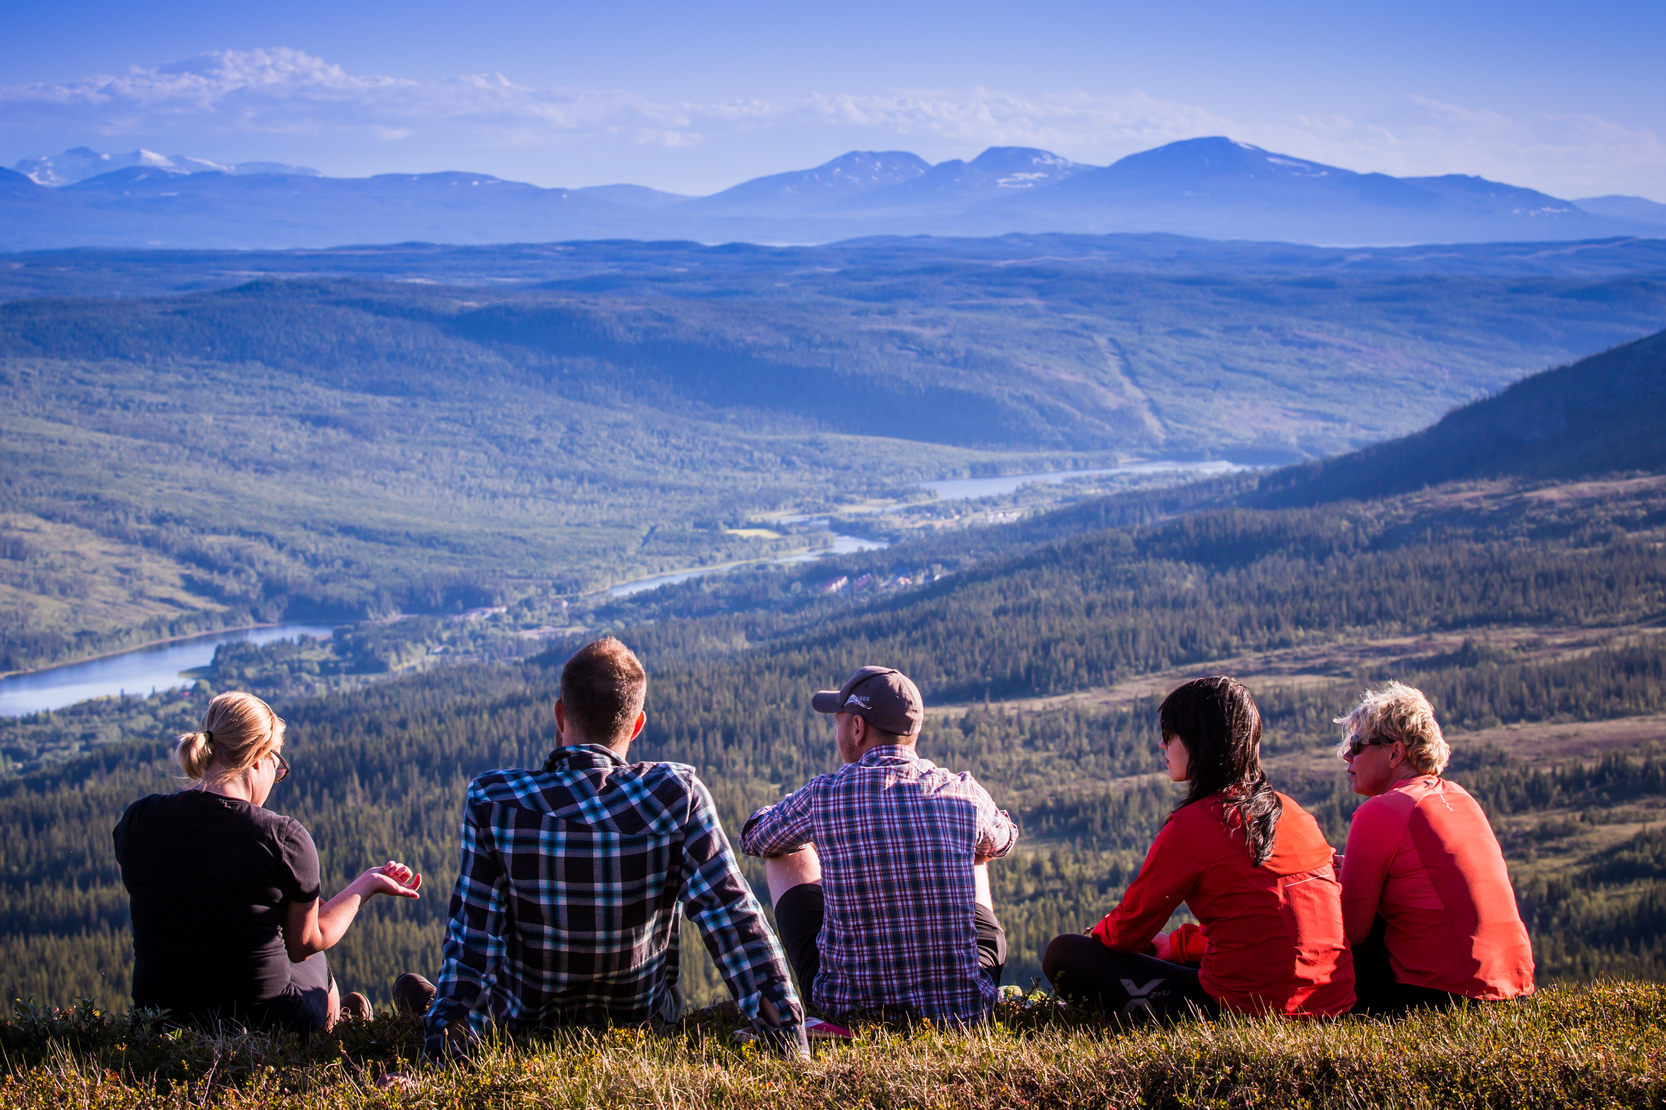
<point x="239" y="729"/>
<point x="1399" y="712"/>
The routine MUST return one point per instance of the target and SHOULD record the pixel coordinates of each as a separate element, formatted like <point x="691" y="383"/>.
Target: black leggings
<point x="800" y="912"/>
<point x="1083" y="970"/>
<point x="1376" y="988"/>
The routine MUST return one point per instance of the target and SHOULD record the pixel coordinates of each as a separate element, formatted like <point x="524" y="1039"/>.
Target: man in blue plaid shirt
<point x="879" y="871"/>
<point x="566" y="906"/>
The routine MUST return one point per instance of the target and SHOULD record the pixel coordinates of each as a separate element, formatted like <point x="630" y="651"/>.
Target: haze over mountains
<point x="1211" y="188"/>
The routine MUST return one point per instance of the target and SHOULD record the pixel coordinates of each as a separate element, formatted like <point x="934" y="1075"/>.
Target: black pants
<point x="799" y="914"/>
<point x="1375" y="987"/>
<point x="1085" y="971"/>
<point x="302" y="1007"/>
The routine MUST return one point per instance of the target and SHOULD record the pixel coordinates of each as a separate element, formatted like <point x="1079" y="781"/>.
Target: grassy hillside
<point x="1592" y="1046"/>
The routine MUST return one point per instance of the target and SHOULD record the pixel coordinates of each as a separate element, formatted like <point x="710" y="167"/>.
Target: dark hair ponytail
<point x="1218" y="722"/>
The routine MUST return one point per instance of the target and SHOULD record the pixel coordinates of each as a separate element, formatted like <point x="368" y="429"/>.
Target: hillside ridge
<point x="1599" y="415"/>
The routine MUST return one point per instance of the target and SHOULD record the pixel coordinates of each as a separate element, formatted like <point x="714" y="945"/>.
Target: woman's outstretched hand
<point x="391" y="878"/>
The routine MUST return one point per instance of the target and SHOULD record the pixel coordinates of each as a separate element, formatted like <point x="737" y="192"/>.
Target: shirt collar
<point x="574" y="757"/>
<point x="888" y="753"/>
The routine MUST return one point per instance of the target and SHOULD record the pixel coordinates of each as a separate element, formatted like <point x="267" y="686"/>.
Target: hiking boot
<point x="356" y="1007"/>
<point x="412" y="994"/>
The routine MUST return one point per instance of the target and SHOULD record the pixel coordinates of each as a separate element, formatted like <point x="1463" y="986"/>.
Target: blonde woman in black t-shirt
<point x="228" y="919"/>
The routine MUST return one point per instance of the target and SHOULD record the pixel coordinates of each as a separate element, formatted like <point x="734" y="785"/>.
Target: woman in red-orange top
<point x="1425" y="895"/>
<point x="1249" y="862"/>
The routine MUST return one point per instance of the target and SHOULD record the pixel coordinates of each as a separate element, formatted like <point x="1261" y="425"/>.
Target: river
<point x="139" y="671"/>
<point x="841" y="545"/>
<point x="158" y="667"/>
<point x="965" y="489"/>
<point x="947" y="489"/>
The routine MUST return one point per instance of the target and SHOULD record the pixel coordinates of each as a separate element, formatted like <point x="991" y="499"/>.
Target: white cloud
<point x="229" y="103"/>
<point x="1567" y="154"/>
<point x="280" y="90"/>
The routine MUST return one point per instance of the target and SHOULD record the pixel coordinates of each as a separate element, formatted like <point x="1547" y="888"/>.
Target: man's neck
<point x="572" y="740"/>
<point x="898" y="744"/>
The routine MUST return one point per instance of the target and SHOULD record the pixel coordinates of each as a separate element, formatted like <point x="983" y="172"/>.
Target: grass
<point x="1601" y="1044"/>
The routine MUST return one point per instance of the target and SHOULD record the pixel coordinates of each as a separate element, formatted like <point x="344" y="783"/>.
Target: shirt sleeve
<point x="720" y="903"/>
<point x="1168" y="876"/>
<point x="1373" y="837"/>
<point x="297" y="863"/>
<point x="997" y="834"/>
<point x="780" y="828"/>
<point x="474" y="947"/>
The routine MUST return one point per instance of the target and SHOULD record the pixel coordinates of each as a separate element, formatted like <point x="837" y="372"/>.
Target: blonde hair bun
<point x="237" y="730"/>
<point x="193" y="754"/>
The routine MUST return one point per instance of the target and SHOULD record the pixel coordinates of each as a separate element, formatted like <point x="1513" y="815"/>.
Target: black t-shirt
<point x="209" y="879"/>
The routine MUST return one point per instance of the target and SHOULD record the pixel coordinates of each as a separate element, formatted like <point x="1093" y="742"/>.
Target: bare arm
<point x="313" y="927"/>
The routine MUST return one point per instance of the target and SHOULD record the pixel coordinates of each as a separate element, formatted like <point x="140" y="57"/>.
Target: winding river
<point x="158" y="666"/>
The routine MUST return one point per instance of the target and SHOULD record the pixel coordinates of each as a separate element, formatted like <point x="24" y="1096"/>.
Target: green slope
<point x="1601" y="415"/>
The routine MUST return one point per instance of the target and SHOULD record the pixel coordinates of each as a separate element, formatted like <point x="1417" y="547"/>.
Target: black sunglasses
<point x="1357" y="744"/>
<point x="283" y="767"/>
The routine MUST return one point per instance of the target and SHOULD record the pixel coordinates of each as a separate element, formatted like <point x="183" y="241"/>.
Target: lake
<point x="139" y="671"/>
<point x="967" y="489"/>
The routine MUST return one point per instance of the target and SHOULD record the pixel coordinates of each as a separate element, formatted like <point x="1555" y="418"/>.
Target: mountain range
<point x="82" y="162"/>
<point x="1211" y="188"/>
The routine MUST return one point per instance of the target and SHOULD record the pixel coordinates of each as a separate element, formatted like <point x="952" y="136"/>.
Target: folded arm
<point x="1373" y="837"/>
<point x="997" y="834"/>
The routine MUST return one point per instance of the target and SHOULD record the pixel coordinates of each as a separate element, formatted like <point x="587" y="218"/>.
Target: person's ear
<point x="858" y="729"/>
<point x="636" y="729"/>
<point x="560" y="719"/>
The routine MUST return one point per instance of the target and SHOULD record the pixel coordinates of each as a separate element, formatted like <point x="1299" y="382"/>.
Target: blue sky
<point x="692" y="98"/>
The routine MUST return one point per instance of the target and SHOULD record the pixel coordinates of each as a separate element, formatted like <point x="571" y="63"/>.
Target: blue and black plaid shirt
<point x="566" y="906"/>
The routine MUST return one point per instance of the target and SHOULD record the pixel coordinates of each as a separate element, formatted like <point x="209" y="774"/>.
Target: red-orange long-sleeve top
<point x="1423" y="855"/>
<point x="1275" y="941"/>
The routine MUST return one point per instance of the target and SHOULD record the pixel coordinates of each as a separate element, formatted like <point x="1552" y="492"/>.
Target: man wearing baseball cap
<point x="878" y="870"/>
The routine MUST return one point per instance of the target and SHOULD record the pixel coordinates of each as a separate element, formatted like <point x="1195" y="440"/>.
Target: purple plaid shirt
<point x="897" y="836"/>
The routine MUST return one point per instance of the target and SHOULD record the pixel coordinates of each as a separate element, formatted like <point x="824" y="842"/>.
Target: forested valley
<point x="1527" y="613"/>
<point x="426" y="430"/>
<point x="1508" y="559"/>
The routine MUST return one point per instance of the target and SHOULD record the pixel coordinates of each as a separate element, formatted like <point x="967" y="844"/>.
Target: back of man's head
<point x="603" y="688"/>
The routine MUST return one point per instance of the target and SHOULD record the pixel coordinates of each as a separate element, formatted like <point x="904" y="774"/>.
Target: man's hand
<point x="450" y="1041"/>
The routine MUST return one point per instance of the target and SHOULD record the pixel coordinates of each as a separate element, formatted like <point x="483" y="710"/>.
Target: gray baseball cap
<point x="882" y="696"/>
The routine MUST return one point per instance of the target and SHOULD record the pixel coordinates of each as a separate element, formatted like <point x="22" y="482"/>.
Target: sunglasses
<point x="282" y="765"/>
<point x="1357" y="744"/>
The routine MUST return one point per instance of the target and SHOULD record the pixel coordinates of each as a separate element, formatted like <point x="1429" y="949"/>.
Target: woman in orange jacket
<point x="1251" y="865"/>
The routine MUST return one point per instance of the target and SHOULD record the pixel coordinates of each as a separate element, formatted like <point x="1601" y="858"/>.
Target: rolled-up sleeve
<point x="997" y="834"/>
<point x="783" y="827"/>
